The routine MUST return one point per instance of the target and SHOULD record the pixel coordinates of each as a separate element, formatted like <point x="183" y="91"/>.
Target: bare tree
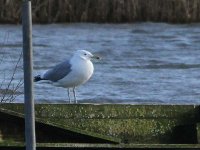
<point x="9" y="89"/>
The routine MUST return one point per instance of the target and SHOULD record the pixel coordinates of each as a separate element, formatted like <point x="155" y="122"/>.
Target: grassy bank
<point x="115" y="11"/>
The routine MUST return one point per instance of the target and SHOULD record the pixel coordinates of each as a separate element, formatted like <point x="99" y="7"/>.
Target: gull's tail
<point x="37" y="78"/>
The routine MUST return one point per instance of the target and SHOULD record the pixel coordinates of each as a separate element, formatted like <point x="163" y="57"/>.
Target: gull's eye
<point x="85" y="54"/>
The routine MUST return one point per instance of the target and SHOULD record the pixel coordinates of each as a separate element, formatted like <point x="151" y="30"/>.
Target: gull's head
<point x="86" y="55"/>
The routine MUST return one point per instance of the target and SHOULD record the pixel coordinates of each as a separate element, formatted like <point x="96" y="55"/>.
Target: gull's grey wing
<point x="58" y="72"/>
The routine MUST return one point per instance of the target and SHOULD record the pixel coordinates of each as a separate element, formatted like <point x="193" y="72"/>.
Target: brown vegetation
<point x="51" y="11"/>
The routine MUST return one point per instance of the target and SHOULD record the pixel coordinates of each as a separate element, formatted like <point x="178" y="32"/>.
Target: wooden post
<point x="28" y="77"/>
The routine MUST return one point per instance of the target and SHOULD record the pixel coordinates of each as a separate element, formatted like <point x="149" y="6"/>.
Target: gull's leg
<point x="68" y="91"/>
<point x="74" y="92"/>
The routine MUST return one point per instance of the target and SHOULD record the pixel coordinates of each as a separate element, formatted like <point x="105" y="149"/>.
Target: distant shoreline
<point x="104" y="11"/>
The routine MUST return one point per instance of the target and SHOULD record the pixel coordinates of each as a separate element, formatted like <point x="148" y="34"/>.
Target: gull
<point x="71" y="73"/>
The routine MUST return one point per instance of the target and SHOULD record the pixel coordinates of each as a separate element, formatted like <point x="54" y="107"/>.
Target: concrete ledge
<point x="42" y="126"/>
<point x="133" y="124"/>
<point x="101" y="146"/>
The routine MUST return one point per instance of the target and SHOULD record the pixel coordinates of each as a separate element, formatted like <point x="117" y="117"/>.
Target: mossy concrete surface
<point x="198" y="132"/>
<point x="71" y="146"/>
<point x="148" y="124"/>
<point x="12" y="130"/>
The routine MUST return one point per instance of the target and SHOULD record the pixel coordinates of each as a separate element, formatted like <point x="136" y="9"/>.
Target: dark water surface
<point x="143" y="63"/>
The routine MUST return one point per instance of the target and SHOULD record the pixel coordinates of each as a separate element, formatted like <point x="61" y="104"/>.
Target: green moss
<point x="131" y="123"/>
<point x="106" y="111"/>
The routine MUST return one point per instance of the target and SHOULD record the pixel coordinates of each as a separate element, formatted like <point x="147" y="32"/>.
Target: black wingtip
<point x="37" y="78"/>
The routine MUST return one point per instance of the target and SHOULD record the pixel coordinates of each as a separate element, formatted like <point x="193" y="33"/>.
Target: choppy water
<point x="151" y="63"/>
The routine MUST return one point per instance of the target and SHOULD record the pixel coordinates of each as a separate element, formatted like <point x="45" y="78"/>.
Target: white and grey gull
<point x="71" y="73"/>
